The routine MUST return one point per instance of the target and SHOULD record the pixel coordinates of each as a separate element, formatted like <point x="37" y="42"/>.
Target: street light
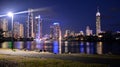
<point x="10" y="14"/>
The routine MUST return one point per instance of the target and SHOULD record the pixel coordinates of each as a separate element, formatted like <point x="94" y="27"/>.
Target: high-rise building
<point x="67" y="33"/>
<point x="56" y="30"/>
<point x="51" y="31"/>
<point x="4" y="26"/>
<point x="16" y="28"/>
<point x="38" y="27"/>
<point x="88" y="31"/>
<point x="81" y="32"/>
<point x="29" y="24"/>
<point x="21" y="31"/>
<point x="72" y="33"/>
<point x="98" y="23"/>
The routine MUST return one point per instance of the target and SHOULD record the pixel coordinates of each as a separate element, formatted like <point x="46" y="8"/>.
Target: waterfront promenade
<point x="101" y="59"/>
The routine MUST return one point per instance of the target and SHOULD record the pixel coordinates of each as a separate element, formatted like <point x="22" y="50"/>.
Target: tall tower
<point x="98" y="24"/>
<point x="21" y="31"/>
<point x="4" y="26"/>
<point x="16" y="28"/>
<point x="29" y="31"/>
<point x="38" y="27"/>
<point x="67" y="33"/>
<point x="52" y="32"/>
<point x="56" y="30"/>
<point x="88" y="31"/>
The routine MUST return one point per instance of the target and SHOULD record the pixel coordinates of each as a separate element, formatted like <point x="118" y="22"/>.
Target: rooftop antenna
<point x="97" y="8"/>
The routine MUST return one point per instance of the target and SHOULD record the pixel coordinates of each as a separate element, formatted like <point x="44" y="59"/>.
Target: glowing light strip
<point x="22" y="12"/>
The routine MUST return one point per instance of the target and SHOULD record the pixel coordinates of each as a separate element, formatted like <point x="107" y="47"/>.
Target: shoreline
<point x="112" y="60"/>
<point x="16" y="51"/>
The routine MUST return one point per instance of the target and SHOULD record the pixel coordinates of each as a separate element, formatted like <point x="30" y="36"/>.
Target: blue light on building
<point x="56" y="23"/>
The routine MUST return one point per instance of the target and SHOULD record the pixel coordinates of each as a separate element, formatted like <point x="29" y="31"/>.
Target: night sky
<point x="71" y="14"/>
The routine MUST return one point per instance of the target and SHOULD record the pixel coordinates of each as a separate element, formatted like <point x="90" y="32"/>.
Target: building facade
<point x="29" y="24"/>
<point x="56" y="30"/>
<point x="67" y="33"/>
<point x="98" y="23"/>
<point x="88" y="31"/>
<point x="16" y="28"/>
<point x="4" y="26"/>
<point x="21" y="31"/>
<point x="38" y="27"/>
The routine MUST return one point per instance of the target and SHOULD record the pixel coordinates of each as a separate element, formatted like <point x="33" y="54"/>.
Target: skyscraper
<point x="88" y="31"/>
<point x="16" y="27"/>
<point x="29" y="24"/>
<point x="67" y="33"/>
<point x="18" y="30"/>
<point x="38" y="27"/>
<point x="51" y="31"/>
<point x="56" y="30"/>
<point x="98" y="24"/>
<point x="81" y="32"/>
<point x="21" y="31"/>
<point x="4" y="26"/>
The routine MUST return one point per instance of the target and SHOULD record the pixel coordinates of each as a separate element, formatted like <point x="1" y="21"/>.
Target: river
<point x="65" y="47"/>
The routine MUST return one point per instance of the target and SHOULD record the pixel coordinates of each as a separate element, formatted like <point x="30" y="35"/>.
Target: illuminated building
<point x="21" y="30"/>
<point x="16" y="28"/>
<point x="72" y="33"/>
<point x="4" y="26"/>
<point x="98" y="24"/>
<point x="67" y="33"/>
<point x="51" y="32"/>
<point x="56" y="30"/>
<point x="81" y="33"/>
<point x="29" y="24"/>
<point x="38" y="27"/>
<point x="88" y="31"/>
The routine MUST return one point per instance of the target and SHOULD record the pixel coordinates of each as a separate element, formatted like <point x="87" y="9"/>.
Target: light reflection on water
<point x="82" y="50"/>
<point x="88" y="47"/>
<point x="66" y="47"/>
<point x="55" y="47"/>
<point x="99" y="47"/>
<point x="19" y="45"/>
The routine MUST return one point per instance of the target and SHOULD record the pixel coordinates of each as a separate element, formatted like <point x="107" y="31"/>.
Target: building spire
<point x="97" y="8"/>
<point x="98" y="13"/>
<point x="98" y="23"/>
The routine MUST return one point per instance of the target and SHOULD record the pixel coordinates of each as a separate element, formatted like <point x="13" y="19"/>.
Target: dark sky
<point x="71" y="14"/>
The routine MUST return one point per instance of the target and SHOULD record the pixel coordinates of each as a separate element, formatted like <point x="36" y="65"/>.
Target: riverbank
<point x="83" y="60"/>
<point x="19" y="61"/>
<point x="30" y="53"/>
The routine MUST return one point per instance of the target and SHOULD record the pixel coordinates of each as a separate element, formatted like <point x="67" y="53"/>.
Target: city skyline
<point x="59" y="33"/>
<point x="60" y="11"/>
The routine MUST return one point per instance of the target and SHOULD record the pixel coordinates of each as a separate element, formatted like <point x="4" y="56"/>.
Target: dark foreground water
<point x="66" y="47"/>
